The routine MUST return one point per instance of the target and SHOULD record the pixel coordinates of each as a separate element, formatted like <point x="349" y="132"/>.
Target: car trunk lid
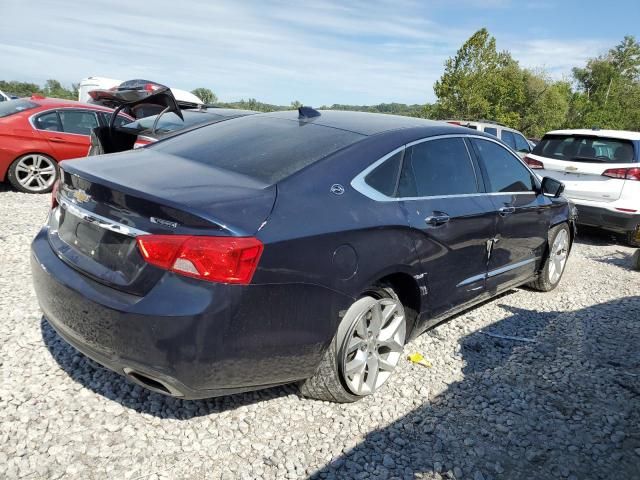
<point x="102" y="210"/>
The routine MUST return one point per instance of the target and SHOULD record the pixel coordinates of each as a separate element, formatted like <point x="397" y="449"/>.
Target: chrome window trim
<point x="359" y="184"/>
<point x="99" y="220"/>
<point x="55" y="109"/>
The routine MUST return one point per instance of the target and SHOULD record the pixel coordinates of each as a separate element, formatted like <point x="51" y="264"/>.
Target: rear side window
<point x="16" y="106"/>
<point x="79" y="122"/>
<point x="503" y="171"/>
<point x="491" y="130"/>
<point x="385" y="177"/>
<point x="508" y="138"/>
<point x="585" y="148"/>
<point x="267" y="149"/>
<point x="48" y="121"/>
<point x="437" y="167"/>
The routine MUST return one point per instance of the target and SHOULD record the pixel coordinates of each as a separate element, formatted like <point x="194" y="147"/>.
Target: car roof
<point x="621" y="134"/>
<point x="363" y="123"/>
<point x="48" y="102"/>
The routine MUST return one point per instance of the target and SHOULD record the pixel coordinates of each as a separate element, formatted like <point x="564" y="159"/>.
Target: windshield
<point x="267" y="149"/>
<point x="170" y="121"/>
<point x="16" y="106"/>
<point x="585" y="148"/>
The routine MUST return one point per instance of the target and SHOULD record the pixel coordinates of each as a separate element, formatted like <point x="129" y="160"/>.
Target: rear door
<point x="523" y="216"/>
<point x="444" y="199"/>
<point x="579" y="161"/>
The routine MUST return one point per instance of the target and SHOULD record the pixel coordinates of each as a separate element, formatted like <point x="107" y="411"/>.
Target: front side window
<point x="78" y="121"/>
<point x="436" y="168"/>
<point x="48" y="121"/>
<point x="504" y="172"/>
<point x="521" y="143"/>
<point x="120" y="119"/>
<point x="508" y="138"/>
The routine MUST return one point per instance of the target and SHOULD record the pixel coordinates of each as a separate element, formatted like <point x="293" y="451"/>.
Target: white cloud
<point x="320" y="53"/>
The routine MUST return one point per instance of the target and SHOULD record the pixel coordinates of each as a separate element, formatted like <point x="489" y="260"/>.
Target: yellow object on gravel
<point x="419" y="359"/>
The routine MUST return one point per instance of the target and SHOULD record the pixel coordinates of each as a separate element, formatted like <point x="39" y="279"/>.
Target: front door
<point x="523" y="215"/>
<point x="444" y="201"/>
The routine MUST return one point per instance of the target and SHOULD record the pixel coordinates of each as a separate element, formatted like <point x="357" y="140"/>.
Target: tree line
<point x="480" y="82"/>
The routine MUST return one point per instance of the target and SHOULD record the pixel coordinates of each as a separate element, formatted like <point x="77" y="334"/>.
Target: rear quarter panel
<point x="17" y="138"/>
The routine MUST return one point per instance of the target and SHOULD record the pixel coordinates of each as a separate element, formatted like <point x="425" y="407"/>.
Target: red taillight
<point x="216" y="259"/>
<point x="151" y="87"/>
<point x="54" y="194"/>
<point x="623" y="173"/>
<point x="533" y="163"/>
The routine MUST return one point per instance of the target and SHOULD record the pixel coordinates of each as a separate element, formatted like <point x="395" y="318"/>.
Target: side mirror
<point x="552" y="187"/>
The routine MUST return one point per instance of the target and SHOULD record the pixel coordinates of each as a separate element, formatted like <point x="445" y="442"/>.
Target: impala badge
<point x="163" y="222"/>
<point x="81" y="196"/>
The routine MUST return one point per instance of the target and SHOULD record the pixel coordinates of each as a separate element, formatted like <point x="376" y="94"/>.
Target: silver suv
<point x="511" y="137"/>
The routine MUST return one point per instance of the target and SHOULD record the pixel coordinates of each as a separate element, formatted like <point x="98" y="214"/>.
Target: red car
<point x="36" y="133"/>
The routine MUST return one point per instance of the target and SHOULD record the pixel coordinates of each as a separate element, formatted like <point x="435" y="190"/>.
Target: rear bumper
<point x="604" y="218"/>
<point x="187" y="338"/>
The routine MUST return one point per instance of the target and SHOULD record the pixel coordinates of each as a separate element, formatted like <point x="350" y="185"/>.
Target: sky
<point x="318" y="52"/>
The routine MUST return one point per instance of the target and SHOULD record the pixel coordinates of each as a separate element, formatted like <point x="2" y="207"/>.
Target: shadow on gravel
<point x="117" y="388"/>
<point x="565" y="405"/>
<point x="598" y="237"/>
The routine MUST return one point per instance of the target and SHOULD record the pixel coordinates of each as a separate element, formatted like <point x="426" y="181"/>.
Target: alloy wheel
<point x="558" y="256"/>
<point x="374" y="346"/>
<point x="35" y="172"/>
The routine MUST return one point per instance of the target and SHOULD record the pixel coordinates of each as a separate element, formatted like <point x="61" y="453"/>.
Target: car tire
<point x="631" y="239"/>
<point x="355" y="344"/>
<point x="635" y="260"/>
<point x="559" y="238"/>
<point x="44" y="176"/>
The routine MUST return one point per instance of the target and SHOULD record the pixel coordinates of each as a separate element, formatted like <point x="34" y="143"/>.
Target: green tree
<point x="296" y="104"/>
<point x="608" y="89"/>
<point x="206" y="95"/>
<point x="480" y="82"/>
<point x="53" y="88"/>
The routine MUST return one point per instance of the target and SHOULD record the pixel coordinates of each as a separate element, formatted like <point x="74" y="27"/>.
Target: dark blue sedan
<point x="288" y="247"/>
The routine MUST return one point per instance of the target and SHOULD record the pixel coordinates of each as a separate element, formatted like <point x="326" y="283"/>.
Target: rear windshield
<point x="268" y="149"/>
<point x="16" y="106"/>
<point x="585" y="148"/>
<point x="170" y="122"/>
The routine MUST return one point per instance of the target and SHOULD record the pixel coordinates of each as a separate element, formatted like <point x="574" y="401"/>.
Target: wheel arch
<point x="408" y="291"/>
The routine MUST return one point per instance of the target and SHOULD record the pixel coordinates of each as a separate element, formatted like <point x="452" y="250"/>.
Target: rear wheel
<point x="364" y="352"/>
<point x="33" y="173"/>
<point x="632" y="237"/>
<point x="556" y="259"/>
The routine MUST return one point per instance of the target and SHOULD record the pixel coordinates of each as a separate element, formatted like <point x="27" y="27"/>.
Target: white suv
<point x="601" y="173"/>
<point x="511" y="137"/>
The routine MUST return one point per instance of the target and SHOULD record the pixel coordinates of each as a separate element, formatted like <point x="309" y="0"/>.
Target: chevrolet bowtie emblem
<point x="81" y="196"/>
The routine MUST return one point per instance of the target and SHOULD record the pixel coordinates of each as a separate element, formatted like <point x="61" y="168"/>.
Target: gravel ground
<point x="566" y="405"/>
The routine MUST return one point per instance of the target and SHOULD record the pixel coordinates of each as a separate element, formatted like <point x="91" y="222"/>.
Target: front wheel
<point x="365" y="350"/>
<point x="33" y="173"/>
<point x="556" y="259"/>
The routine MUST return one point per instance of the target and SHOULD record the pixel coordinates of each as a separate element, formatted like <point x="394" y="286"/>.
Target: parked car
<point x="158" y="116"/>
<point x="89" y="84"/>
<point x="511" y="137"/>
<point x="5" y="97"/>
<point x="156" y="127"/>
<point x="289" y="247"/>
<point x="36" y="133"/>
<point x="601" y="171"/>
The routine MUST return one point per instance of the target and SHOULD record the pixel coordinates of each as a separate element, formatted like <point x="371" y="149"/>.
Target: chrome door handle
<point x="504" y="211"/>
<point x="435" y="220"/>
